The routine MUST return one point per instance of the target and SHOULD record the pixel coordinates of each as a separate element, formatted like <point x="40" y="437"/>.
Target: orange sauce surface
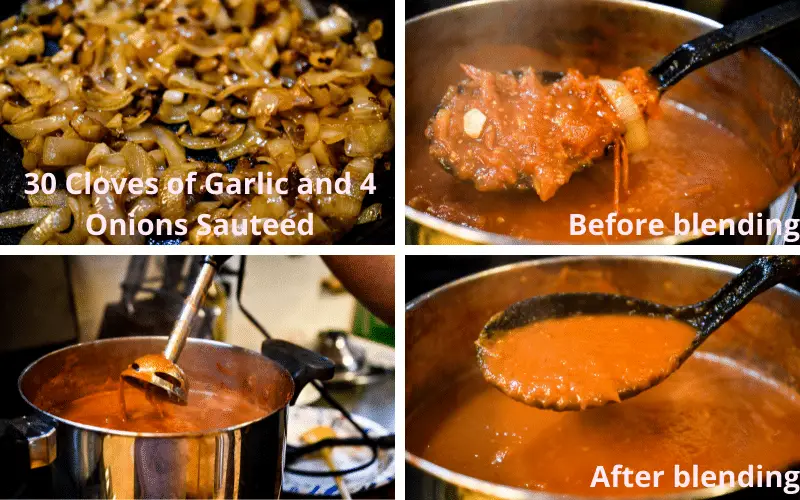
<point x="582" y="361"/>
<point x="206" y="410"/>
<point x="711" y="412"/>
<point x="691" y="165"/>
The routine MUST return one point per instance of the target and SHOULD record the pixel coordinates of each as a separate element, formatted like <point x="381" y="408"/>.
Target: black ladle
<point x="704" y="317"/>
<point x="713" y="45"/>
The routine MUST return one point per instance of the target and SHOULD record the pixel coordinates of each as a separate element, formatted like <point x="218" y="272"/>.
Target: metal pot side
<point x="244" y="461"/>
<point x="441" y="327"/>
<point x="752" y="93"/>
<point x="241" y="463"/>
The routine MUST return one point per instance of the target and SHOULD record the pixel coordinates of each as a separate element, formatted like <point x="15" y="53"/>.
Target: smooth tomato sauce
<point x="711" y="413"/>
<point x="206" y="410"/>
<point x="582" y="361"/>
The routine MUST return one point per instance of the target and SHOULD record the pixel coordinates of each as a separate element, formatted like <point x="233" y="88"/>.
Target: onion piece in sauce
<point x="636" y="136"/>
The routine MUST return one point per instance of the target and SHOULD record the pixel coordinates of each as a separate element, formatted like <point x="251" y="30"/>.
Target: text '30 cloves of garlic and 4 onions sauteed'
<point x="149" y="88"/>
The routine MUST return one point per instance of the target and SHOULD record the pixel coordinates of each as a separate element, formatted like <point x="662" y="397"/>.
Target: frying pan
<point x="380" y="232"/>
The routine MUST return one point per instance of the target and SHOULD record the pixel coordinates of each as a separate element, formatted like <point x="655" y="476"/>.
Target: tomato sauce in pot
<point x="206" y="410"/>
<point x="218" y="398"/>
<point x="712" y="413"/>
<point x="691" y="165"/>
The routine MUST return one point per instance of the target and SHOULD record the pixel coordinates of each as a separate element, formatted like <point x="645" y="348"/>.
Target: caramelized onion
<point x="39" y="127"/>
<point x="133" y="85"/>
<point x="61" y="152"/>
<point x="57" y="219"/>
<point x="209" y="50"/>
<point x="176" y="155"/>
<point x="108" y="206"/>
<point x="185" y="81"/>
<point x="173" y="114"/>
<point x="88" y="128"/>
<point x="80" y="207"/>
<point x="23" y="217"/>
<point x="247" y="143"/>
<point x="59" y="88"/>
<point x="139" y="163"/>
<point x="20" y="45"/>
<point x="227" y="136"/>
<point x="106" y="102"/>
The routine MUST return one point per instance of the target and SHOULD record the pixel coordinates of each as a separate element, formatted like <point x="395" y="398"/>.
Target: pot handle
<point x="303" y="365"/>
<point x="25" y="443"/>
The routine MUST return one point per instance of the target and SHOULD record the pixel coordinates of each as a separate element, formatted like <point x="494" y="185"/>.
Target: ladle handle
<point x="761" y="275"/>
<point x="183" y="326"/>
<point x="722" y="42"/>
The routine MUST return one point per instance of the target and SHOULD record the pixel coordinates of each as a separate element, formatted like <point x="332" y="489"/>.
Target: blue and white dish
<point x="380" y="473"/>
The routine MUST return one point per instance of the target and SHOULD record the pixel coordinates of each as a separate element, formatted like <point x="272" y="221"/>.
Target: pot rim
<point x="165" y="435"/>
<point x="514" y="493"/>
<point x="475" y="235"/>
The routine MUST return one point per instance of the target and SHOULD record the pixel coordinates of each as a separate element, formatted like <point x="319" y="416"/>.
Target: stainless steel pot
<point x="751" y="93"/>
<point x="441" y="327"/>
<point x="242" y="461"/>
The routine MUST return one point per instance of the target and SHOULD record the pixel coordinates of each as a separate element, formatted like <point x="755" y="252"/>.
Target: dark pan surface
<point x="380" y="232"/>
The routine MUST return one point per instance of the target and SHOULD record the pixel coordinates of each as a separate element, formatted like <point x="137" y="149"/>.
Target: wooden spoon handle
<point x="722" y="42"/>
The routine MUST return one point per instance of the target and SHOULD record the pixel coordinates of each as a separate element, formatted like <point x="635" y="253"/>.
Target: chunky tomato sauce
<point x="530" y="133"/>
<point x="582" y="361"/>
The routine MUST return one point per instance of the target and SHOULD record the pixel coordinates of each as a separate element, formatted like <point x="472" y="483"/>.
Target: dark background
<point x="37" y="316"/>
<point x="424" y="273"/>
<point x="785" y="45"/>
